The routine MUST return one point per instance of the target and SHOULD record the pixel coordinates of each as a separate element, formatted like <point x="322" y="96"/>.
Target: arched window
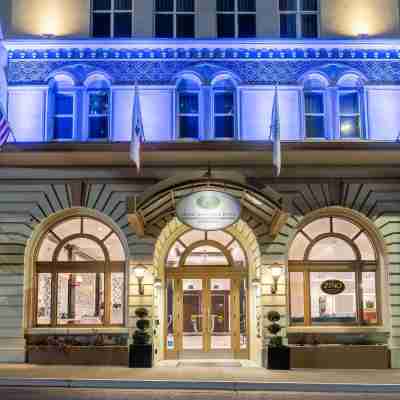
<point x="188" y="107"/>
<point x="198" y="248"/>
<point x="315" y="122"/>
<point x="62" y="105"/>
<point x="333" y="275"/>
<point x="350" y="107"/>
<point x="224" y="105"/>
<point x="79" y="275"/>
<point x="99" y="107"/>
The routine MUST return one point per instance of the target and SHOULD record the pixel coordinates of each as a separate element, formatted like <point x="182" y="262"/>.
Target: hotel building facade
<point x="79" y="226"/>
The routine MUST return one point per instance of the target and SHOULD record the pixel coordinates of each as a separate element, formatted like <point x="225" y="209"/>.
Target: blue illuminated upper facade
<point x="82" y="90"/>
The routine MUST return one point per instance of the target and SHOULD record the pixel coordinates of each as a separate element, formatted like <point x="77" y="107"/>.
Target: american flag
<point x="5" y="129"/>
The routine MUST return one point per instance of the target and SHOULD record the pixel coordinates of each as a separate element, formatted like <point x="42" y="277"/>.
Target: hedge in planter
<point x="278" y="353"/>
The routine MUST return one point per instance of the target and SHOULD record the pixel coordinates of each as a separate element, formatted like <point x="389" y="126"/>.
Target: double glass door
<point x="207" y="316"/>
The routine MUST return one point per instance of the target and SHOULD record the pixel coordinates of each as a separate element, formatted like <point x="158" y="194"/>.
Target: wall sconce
<point x="139" y="272"/>
<point x="276" y="272"/>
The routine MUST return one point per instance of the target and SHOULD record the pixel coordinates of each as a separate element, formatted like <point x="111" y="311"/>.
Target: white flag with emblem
<point x="137" y="131"/>
<point x="275" y="135"/>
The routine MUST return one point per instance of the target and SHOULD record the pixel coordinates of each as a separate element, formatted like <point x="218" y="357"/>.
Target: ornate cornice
<point x="44" y="49"/>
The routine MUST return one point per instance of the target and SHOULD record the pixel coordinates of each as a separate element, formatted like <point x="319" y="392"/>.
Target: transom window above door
<point x="198" y="248"/>
<point x="333" y="253"/>
<point x="79" y="275"/>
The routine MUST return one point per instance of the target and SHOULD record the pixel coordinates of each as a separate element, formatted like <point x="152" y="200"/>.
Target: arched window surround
<point x="362" y="272"/>
<point x="58" y="259"/>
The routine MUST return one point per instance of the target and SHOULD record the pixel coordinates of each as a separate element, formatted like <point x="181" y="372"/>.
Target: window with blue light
<point x="224" y="115"/>
<point x="189" y="115"/>
<point x="236" y="18"/>
<point x="349" y="114"/>
<point x="174" y="18"/>
<point x="112" y="18"/>
<point x="314" y="115"/>
<point x="99" y="114"/>
<point x="299" y="18"/>
<point x="63" y="116"/>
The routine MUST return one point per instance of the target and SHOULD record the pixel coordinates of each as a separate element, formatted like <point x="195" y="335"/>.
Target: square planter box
<point x="278" y="358"/>
<point x="77" y="355"/>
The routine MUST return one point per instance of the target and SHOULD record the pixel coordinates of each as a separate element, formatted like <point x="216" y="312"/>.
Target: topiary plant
<point x="141" y="335"/>
<point x="274" y="328"/>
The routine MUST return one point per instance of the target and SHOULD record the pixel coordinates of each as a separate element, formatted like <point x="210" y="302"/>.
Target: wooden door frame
<point x="212" y="272"/>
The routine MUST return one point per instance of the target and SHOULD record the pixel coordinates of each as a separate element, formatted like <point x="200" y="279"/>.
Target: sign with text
<point x="208" y="210"/>
<point x="333" y="287"/>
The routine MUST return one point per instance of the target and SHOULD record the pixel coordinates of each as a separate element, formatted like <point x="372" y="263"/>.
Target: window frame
<point x="214" y="114"/>
<point x="112" y="12"/>
<point x="358" y="266"/>
<point x="299" y="23"/>
<point x="344" y="91"/>
<point x="179" y="114"/>
<point x="54" y="267"/>
<point x="54" y="115"/>
<point x="175" y="13"/>
<point x="236" y="13"/>
<point x="88" y="92"/>
<point x="323" y="115"/>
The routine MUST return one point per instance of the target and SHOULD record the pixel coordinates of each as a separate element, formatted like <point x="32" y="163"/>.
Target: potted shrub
<point x="278" y="353"/>
<point x="141" y="350"/>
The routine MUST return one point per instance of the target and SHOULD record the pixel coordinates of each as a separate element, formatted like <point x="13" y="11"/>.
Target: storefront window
<point x="332" y="273"/>
<point x="80" y="278"/>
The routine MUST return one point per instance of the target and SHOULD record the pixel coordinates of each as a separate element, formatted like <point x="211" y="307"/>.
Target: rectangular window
<point x="350" y="116"/>
<point x="99" y="116"/>
<point x="63" y="116"/>
<point x="333" y="309"/>
<point x="188" y="115"/>
<point x="224" y="115"/>
<point x="117" y="298"/>
<point x="236" y="18"/>
<point x="297" y="297"/>
<point x="314" y="115"/>
<point x="44" y="299"/>
<point x="369" y="306"/>
<point x="174" y="18"/>
<point x="299" y="18"/>
<point x="112" y="18"/>
<point x="80" y="298"/>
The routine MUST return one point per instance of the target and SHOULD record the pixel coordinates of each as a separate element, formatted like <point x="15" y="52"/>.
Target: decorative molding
<point x="251" y="72"/>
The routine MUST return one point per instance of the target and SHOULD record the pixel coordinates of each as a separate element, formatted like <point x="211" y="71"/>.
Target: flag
<point x="275" y="136"/>
<point x="5" y="129"/>
<point x="137" y="131"/>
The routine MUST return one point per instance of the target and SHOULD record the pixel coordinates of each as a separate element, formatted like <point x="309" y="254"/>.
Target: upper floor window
<point x="174" y="18"/>
<point x="333" y="275"/>
<point x="63" y="116"/>
<point x="299" y="18"/>
<point x="314" y="109"/>
<point x="350" y="107"/>
<point x="61" y="104"/>
<point x="224" y="109"/>
<point x="236" y="18"/>
<point x="112" y="18"/>
<point x="188" y="109"/>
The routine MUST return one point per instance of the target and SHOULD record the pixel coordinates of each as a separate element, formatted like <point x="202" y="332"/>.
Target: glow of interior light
<point x="346" y="127"/>
<point x="361" y="28"/>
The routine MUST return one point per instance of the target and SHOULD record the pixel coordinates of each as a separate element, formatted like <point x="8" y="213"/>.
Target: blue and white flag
<point x="137" y="131"/>
<point x="275" y="136"/>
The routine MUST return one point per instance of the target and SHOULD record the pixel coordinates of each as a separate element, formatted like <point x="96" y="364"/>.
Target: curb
<point x="200" y="385"/>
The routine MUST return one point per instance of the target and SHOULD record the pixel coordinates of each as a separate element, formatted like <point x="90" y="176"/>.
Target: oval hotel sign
<point x="333" y="287"/>
<point x="208" y="210"/>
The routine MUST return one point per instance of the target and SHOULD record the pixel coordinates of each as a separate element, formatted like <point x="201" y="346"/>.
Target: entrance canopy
<point x="150" y="212"/>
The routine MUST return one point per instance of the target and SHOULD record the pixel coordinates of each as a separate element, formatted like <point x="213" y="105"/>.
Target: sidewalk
<point x="172" y="376"/>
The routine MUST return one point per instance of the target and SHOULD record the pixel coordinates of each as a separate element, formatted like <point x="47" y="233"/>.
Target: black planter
<point x="140" y="356"/>
<point x="279" y="358"/>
